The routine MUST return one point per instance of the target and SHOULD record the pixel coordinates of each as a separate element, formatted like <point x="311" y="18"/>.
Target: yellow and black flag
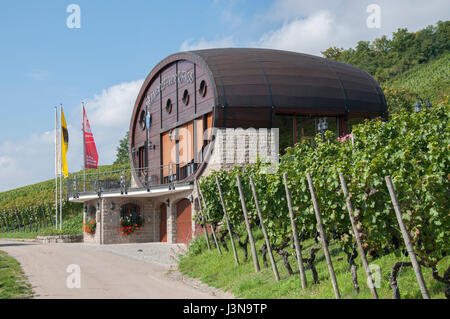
<point x="64" y="144"/>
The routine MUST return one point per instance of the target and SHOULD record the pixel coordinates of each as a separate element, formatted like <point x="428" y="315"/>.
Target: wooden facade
<point x="189" y="93"/>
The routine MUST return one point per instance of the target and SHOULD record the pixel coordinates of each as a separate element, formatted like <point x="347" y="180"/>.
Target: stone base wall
<point x="60" y="239"/>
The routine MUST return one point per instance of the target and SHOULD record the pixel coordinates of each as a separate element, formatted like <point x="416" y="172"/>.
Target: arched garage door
<point x="184" y="221"/>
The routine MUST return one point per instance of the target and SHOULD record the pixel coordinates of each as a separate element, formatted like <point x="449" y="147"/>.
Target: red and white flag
<point x="90" y="150"/>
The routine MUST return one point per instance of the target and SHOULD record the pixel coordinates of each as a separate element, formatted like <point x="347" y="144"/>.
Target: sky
<point x="103" y="62"/>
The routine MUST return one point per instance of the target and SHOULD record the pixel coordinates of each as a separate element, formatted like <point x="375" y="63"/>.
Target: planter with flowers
<point x="128" y="225"/>
<point x="90" y="227"/>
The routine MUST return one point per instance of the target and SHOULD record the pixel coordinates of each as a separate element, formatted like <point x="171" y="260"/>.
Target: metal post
<point x="294" y="233"/>
<point x="84" y="151"/>
<point x="247" y="225"/>
<point x="357" y="236"/>
<point x="61" y="177"/>
<point x="407" y="239"/>
<point x="57" y="167"/>
<point x="263" y="227"/>
<point x="236" y="258"/>
<point x="203" y="219"/>
<point x="322" y="237"/>
<point x="207" y="216"/>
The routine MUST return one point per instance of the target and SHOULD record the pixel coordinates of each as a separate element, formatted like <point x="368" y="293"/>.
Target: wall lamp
<point x="322" y="126"/>
<point x="420" y="102"/>
<point x="112" y="205"/>
<point x="168" y="202"/>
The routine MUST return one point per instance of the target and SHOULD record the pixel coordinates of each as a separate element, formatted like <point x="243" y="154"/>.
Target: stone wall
<point x="60" y="239"/>
<point x="242" y="146"/>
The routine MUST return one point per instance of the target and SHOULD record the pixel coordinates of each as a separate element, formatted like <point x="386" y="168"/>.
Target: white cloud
<point x="31" y="160"/>
<point x="109" y="114"/>
<point x="310" y="35"/>
<point x="27" y="161"/>
<point x="189" y="45"/>
<point x="314" y="26"/>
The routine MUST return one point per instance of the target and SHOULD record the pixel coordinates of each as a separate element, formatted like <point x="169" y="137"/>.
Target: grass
<point x="222" y="272"/>
<point x="72" y="225"/>
<point x="13" y="283"/>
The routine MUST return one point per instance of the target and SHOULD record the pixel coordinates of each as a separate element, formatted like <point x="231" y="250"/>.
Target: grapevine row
<point x="412" y="148"/>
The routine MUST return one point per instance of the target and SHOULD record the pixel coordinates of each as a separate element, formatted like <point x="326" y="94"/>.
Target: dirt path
<point x="103" y="274"/>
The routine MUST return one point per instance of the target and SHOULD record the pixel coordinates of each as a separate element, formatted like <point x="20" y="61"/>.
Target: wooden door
<point x="163" y="224"/>
<point x="184" y="221"/>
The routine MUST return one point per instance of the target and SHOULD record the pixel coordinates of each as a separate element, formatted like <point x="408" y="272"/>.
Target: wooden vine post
<point x="263" y="227"/>
<point x="294" y="232"/>
<point x="236" y="258"/>
<point x="322" y="237"/>
<point x="207" y="215"/>
<point x="357" y="236"/>
<point x="407" y="239"/>
<point x="247" y="224"/>
<point x="203" y="220"/>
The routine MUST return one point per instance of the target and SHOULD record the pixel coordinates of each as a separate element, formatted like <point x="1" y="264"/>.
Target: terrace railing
<point x="121" y="180"/>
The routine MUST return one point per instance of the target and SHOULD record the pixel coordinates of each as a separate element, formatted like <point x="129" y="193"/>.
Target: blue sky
<point x="44" y="63"/>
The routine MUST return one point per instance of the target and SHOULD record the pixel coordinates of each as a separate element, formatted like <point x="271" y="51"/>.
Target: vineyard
<point x="32" y="208"/>
<point x="388" y="184"/>
<point x="427" y="80"/>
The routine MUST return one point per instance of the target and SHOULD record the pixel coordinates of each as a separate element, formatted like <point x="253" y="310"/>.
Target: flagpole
<point x="56" y="167"/>
<point x="84" y="151"/>
<point x="61" y="176"/>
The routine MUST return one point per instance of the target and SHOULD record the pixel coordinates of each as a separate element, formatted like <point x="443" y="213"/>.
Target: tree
<point x="122" y="156"/>
<point x="333" y="53"/>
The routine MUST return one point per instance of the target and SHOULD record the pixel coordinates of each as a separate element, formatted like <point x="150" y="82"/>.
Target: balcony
<point x="156" y="181"/>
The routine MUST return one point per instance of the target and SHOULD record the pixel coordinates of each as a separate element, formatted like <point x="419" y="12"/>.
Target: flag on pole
<point x="57" y="164"/>
<point x="57" y="146"/>
<point x="64" y="144"/>
<point x="90" y="150"/>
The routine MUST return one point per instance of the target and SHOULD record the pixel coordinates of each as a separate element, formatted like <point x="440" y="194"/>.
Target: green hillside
<point x="427" y="80"/>
<point x="42" y="193"/>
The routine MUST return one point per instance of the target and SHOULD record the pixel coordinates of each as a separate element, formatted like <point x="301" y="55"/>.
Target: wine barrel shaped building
<point x="189" y="94"/>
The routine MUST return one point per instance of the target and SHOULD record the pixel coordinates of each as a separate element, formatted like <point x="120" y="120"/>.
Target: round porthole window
<point x="142" y="120"/>
<point x="202" y="89"/>
<point x="169" y="106"/>
<point x="186" y="97"/>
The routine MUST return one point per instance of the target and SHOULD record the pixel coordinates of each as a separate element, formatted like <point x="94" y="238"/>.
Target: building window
<point x="141" y="157"/>
<point x="306" y="128"/>
<point x="294" y="129"/>
<point x="285" y="124"/>
<point x="186" y="97"/>
<point x="142" y="120"/>
<point x="131" y="212"/>
<point x="169" y="106"/>
<point x="202" y="89"/>
<point x="91" y="213"/>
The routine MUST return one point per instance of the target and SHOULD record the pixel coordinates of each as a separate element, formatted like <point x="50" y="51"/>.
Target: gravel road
<point x="106" y="271"/>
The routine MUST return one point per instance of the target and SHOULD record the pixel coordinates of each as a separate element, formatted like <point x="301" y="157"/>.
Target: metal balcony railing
<point x="121" y="180"/>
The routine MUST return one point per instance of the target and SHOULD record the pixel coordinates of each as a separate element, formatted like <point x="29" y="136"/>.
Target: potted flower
<point x="128" y="225"/>
<point x="90" y="227"/>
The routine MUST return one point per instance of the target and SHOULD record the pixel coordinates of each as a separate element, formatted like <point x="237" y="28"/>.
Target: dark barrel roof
<point x="247" y="77"/>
